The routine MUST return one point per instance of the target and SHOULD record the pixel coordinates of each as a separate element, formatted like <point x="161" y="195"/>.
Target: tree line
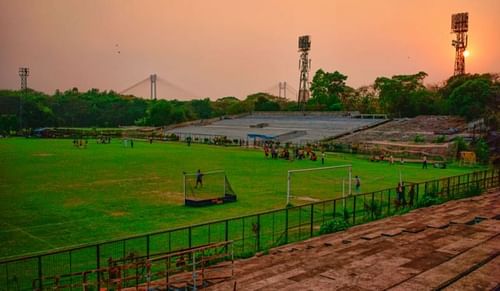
<point x="471" y="96"/>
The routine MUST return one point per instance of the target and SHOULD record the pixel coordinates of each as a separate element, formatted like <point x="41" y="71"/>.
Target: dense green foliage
<point x="333" y="226"/>
<point x="470" y="96"/>
<point x="326" y="90"/>
<point x="96" y="108"/>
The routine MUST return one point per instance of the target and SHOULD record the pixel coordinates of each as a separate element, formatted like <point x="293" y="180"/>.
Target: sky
<point x="222" y="48"/>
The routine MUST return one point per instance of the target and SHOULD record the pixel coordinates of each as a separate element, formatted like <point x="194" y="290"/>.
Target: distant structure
<point x="304" y="65"/>
<point x="152" y="78"/>
<point x="24" y="73"/>
<point x="282" y="88"/>
<point x="460" y="26"/>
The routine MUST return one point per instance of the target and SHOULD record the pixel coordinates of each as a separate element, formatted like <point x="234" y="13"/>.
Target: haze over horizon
<point x="235" y="48"/>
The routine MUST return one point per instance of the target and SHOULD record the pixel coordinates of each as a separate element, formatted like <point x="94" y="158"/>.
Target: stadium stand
<point x="453" y="246"/>
<point x="280" y="126"/>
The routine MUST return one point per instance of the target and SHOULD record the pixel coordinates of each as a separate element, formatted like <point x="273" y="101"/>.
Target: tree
<point x="403" y="95"/>
<point x="264" y="104"/>
<point x="473" y="96"/>
<point x="364" y="99"/>
<point x="201" y="108"/>
<point x="159" y="113"/>
<point x="326" y="89"/>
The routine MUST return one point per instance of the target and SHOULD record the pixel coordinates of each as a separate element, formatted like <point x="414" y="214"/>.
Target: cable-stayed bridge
<point x="155" y="87"/>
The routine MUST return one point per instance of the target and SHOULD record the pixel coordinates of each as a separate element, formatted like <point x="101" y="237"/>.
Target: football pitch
<point x="54" y="195"/>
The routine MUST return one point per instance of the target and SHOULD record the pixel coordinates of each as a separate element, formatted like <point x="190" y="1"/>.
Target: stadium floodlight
<point x="304" y="42"/>
<point x="330" y="175"/>
<point x="460" y="22"/>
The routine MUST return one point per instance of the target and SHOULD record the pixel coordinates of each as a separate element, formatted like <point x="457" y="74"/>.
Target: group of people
<point x="271" y="150"/>
<point x="80" y="143"/>
<point x="104" y="139"/>
<point x="126" y="143"/>
<point x="400" y="195"/>
<point x="390" y="159"/>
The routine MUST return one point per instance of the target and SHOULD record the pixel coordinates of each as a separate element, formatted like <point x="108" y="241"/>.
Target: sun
<point x="466" y="54"/>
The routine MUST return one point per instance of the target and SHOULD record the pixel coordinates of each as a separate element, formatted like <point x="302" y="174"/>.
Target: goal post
<point x="204" y="188"/>
<point x="332" y="180"/>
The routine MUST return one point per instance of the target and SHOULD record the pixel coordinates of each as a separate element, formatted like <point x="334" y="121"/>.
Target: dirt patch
<point x="307" y="198"/>
<point x="42" y="155"/>
<point x="117" y="213"/>
<point x="73" y="202"/>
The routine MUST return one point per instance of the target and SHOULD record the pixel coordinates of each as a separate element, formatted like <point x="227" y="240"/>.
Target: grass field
<point x="55" y="195"/>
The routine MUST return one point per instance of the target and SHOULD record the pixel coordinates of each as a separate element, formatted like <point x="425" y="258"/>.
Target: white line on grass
<point x="29" y="234"/>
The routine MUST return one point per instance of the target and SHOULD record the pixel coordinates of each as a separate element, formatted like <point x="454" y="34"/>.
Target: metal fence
<point x="250" y="234"/>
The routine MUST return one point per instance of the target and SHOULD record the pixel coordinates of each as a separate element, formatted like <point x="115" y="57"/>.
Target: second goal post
<point x="205" y="188"/>
<point x="319" y="183"/>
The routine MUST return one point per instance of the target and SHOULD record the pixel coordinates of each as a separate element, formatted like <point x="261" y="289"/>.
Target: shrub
<point x="482" y="151"/>
<point x="373" y="207"/>
<point x="333" y="226"/>
<point x="473" y="190"/>
<point x="440" y="139"/>
<point x="419" y="139"/>
<point x="429" y="199"/>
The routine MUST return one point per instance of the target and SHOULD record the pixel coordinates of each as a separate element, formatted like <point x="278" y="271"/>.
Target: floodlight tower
<point x="460" y="26"/>
<point x="23" y="73"/>
<point x="304" y="65"/>
<point x="152" y="78"/>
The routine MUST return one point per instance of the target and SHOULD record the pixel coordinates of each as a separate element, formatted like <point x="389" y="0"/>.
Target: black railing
<point x="250" y="233"/>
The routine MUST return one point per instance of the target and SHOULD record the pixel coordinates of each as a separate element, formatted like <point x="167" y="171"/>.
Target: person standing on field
<point x="357" y="184"/>
<point x="323" y="158"/>
<point x="199" y="179"/>
<point x="424" y="162"/>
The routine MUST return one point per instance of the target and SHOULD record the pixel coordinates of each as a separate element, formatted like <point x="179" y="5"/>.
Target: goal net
<point x="316" y="184"/>
<point x="206" y="185"/>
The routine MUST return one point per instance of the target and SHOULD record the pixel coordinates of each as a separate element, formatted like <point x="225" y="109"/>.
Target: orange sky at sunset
<point x="233" y="48"/>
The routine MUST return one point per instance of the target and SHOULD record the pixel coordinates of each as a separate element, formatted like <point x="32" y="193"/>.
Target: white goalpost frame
<point x="184" y="175"/>
<point x="290" y="172"/>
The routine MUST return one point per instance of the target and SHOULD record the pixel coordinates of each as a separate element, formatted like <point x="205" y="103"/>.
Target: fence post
<point x="312" y="219"/>
<point x="226" y="234"/>
<point x="147" y="246"/>
<point x="448" y="188"/>
<point x="189" y="237"/>
<point x="98" y="263"/>
<point x="40" y="273"/>
<point x="373" y="204"/>
<point x="258" y="232"/>
<point x="416" y="196"/>
<point x="334" y="208"/>
<point x="300" y="222"/>
<point x="354" y="211"/>
<point x="389" y="202"/>
<point x="286" y="225"/>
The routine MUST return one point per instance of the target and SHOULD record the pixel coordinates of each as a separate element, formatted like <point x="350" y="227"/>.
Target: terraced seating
<point x="453" y="246"/>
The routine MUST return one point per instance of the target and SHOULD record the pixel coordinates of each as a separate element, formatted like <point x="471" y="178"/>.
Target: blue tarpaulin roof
<point x="262" y="136"/>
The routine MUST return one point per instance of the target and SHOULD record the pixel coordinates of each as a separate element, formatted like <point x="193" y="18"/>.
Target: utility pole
<point x="23" y="73"/>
